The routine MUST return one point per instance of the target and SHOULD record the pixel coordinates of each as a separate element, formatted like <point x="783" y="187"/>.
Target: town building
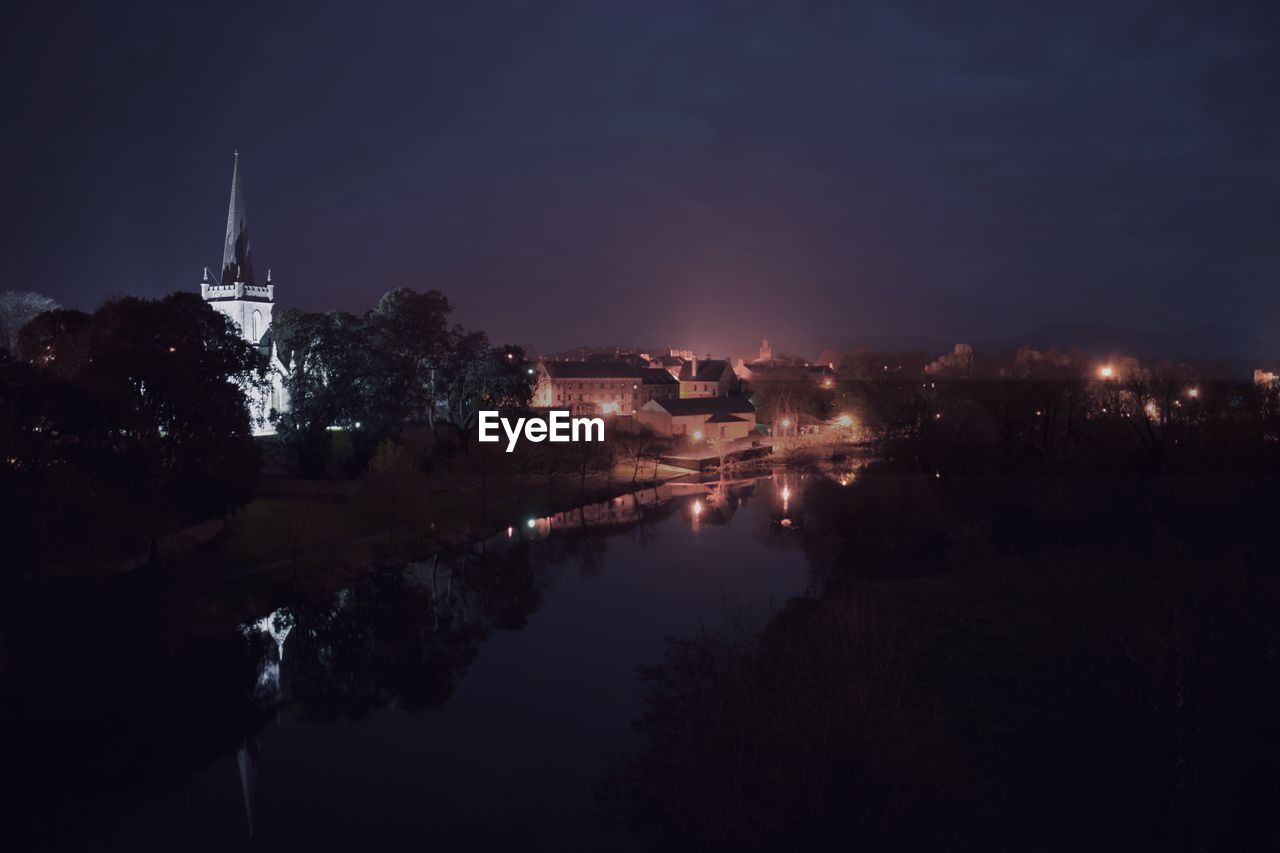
<point x="237" y="294"/>
<point x="822" y="375"/>
<point x="708" y="377"/>
<point x="601" y="387"/>
<point x="673" y="364"/>
<point x="699" y="418"/>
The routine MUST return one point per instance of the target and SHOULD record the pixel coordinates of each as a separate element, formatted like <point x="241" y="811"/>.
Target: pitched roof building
<point x="601" y="387"/>
<point x="699" y="418"/>
<point x="709" y="377"/>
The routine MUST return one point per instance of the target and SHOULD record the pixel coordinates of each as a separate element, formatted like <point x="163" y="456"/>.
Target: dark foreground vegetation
<point x="1047" y="620"/>
<point x="120" y="426"/>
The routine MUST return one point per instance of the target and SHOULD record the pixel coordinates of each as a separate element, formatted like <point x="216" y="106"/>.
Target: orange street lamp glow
<point x="1106" y="372"/>
<point x="845" y="421"/>
<point x="1193" y="392"/>
<point x="786" y="422"/>
<point x="697" y="507"/>
<point x="697" y="435"/>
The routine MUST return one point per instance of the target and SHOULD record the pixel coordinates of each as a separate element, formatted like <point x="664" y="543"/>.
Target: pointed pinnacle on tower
<point x="236" y="258"/>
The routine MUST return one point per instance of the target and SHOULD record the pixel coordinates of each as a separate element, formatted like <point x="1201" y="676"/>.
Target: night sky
<point x="696" y="173"/>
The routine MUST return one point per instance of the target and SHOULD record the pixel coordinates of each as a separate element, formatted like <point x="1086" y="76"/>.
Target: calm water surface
<point x="477" y="704"/>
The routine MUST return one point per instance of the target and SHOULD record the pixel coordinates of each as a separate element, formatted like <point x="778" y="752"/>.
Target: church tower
<point x="236" y="292"/>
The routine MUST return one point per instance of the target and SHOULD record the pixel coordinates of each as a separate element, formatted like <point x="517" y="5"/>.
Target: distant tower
<point x="766" y="354"/>
<point x="236" y="293"/>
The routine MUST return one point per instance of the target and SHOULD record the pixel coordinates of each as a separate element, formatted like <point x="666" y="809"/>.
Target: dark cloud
<point x="693" y="172"/>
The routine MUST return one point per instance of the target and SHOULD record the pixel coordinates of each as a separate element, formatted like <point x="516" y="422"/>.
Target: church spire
<point x="237" y="264"/>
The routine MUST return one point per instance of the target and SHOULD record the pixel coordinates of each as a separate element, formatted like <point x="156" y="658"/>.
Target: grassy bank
<point x="299" y="527"/>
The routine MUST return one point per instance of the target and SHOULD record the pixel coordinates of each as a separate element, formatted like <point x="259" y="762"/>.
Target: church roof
<point x="237" y="262"/>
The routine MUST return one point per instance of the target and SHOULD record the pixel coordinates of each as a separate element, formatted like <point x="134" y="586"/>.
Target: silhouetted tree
<point x="369" y="375"/>
<point x="17" y="308"/>
<point x="148" y="397"/>
<point x="328" y="377"/>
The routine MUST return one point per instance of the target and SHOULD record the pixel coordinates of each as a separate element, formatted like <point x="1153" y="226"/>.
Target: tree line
<point x="123" y="424"/>
<point x="400" y="362"/>
<point x="119" y="424"/>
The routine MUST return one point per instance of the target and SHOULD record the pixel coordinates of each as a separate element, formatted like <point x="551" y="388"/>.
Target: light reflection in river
<point x="552" y="698"/>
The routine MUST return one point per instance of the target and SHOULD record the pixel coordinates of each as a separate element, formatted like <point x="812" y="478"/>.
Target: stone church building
<point x="238" y="294"/>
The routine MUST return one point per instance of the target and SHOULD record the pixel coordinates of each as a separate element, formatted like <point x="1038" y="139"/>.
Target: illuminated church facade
<point x="237" y="294"/>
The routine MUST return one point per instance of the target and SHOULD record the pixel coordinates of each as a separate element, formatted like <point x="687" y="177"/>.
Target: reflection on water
<point x="475" y="697"/>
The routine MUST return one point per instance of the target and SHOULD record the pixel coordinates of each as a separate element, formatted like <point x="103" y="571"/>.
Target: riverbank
<point x="428" y="657"/>
<point x="299" y="528"/>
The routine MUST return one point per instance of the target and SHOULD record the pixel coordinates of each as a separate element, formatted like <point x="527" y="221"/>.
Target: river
<point x="475" y="701"/>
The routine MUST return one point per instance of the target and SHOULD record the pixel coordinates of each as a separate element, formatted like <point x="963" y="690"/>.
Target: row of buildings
<point x="669" y="394"/>
<point x="675" y="394"/>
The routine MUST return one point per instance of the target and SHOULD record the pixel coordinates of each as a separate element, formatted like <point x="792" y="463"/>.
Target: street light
<point x="845" y="421"/>
<point x="1106" y="371"/>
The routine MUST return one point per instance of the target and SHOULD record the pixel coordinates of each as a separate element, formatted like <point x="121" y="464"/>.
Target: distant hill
<point x="1203" y="343"/>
